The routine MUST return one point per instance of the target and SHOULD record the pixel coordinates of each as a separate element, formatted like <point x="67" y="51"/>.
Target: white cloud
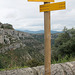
<point x="59" y="27"/>
<point x="25" y="15"/>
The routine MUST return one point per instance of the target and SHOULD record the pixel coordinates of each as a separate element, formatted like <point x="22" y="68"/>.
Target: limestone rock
<point x="56" y="69"/>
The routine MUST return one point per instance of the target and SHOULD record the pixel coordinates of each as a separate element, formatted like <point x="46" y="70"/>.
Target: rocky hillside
<point x="17" y="47"/>
<point x="12" y="39"/>
<point x="23" y="49"/>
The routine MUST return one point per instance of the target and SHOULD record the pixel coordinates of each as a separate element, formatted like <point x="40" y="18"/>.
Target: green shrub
<point x="33" y="63"/>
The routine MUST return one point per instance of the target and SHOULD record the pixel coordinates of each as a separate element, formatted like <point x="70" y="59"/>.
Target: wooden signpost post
<point x="46" y="8"/>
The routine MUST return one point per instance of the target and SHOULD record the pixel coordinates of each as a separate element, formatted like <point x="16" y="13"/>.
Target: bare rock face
<point x="56" y="69"/>
<point x="12" y="38"/>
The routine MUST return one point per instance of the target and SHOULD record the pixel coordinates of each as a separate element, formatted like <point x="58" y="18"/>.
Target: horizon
<point x="33" y="30"/>
<point x="37" y="30"/>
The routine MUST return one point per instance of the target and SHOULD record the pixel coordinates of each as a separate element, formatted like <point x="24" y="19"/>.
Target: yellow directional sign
<point x="41" y="0"/>
<point x="52" y="6"/>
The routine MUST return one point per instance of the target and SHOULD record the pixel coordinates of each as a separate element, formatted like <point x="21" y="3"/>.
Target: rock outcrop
<point x="67" y="68"/>
<point x="5" y="34"/>
<point x="18" y="44"/>
<point x="6" y="26"/>
<point x="12" y="39"/>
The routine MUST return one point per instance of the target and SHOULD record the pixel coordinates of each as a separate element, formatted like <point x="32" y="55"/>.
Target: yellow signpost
<point x="41" y="0"/>
<point x="46" y="8"/>
<point x="52" y="6"/>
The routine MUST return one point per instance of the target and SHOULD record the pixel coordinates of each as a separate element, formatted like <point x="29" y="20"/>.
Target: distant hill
<point x="37" y="32"/>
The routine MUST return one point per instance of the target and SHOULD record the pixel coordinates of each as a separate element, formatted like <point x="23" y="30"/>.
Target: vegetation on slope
<point x="40" y="37"/>
<point x="63" y="50"/>
<point x="64" y="47"/>
<point x="20" y="57"/>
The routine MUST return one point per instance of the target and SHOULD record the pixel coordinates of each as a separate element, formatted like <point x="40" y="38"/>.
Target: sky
<point x="25" y="15"/>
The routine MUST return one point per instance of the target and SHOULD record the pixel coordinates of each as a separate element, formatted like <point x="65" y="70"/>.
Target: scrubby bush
<point x="34" y="63"/>
<point x="64" y="45"/>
